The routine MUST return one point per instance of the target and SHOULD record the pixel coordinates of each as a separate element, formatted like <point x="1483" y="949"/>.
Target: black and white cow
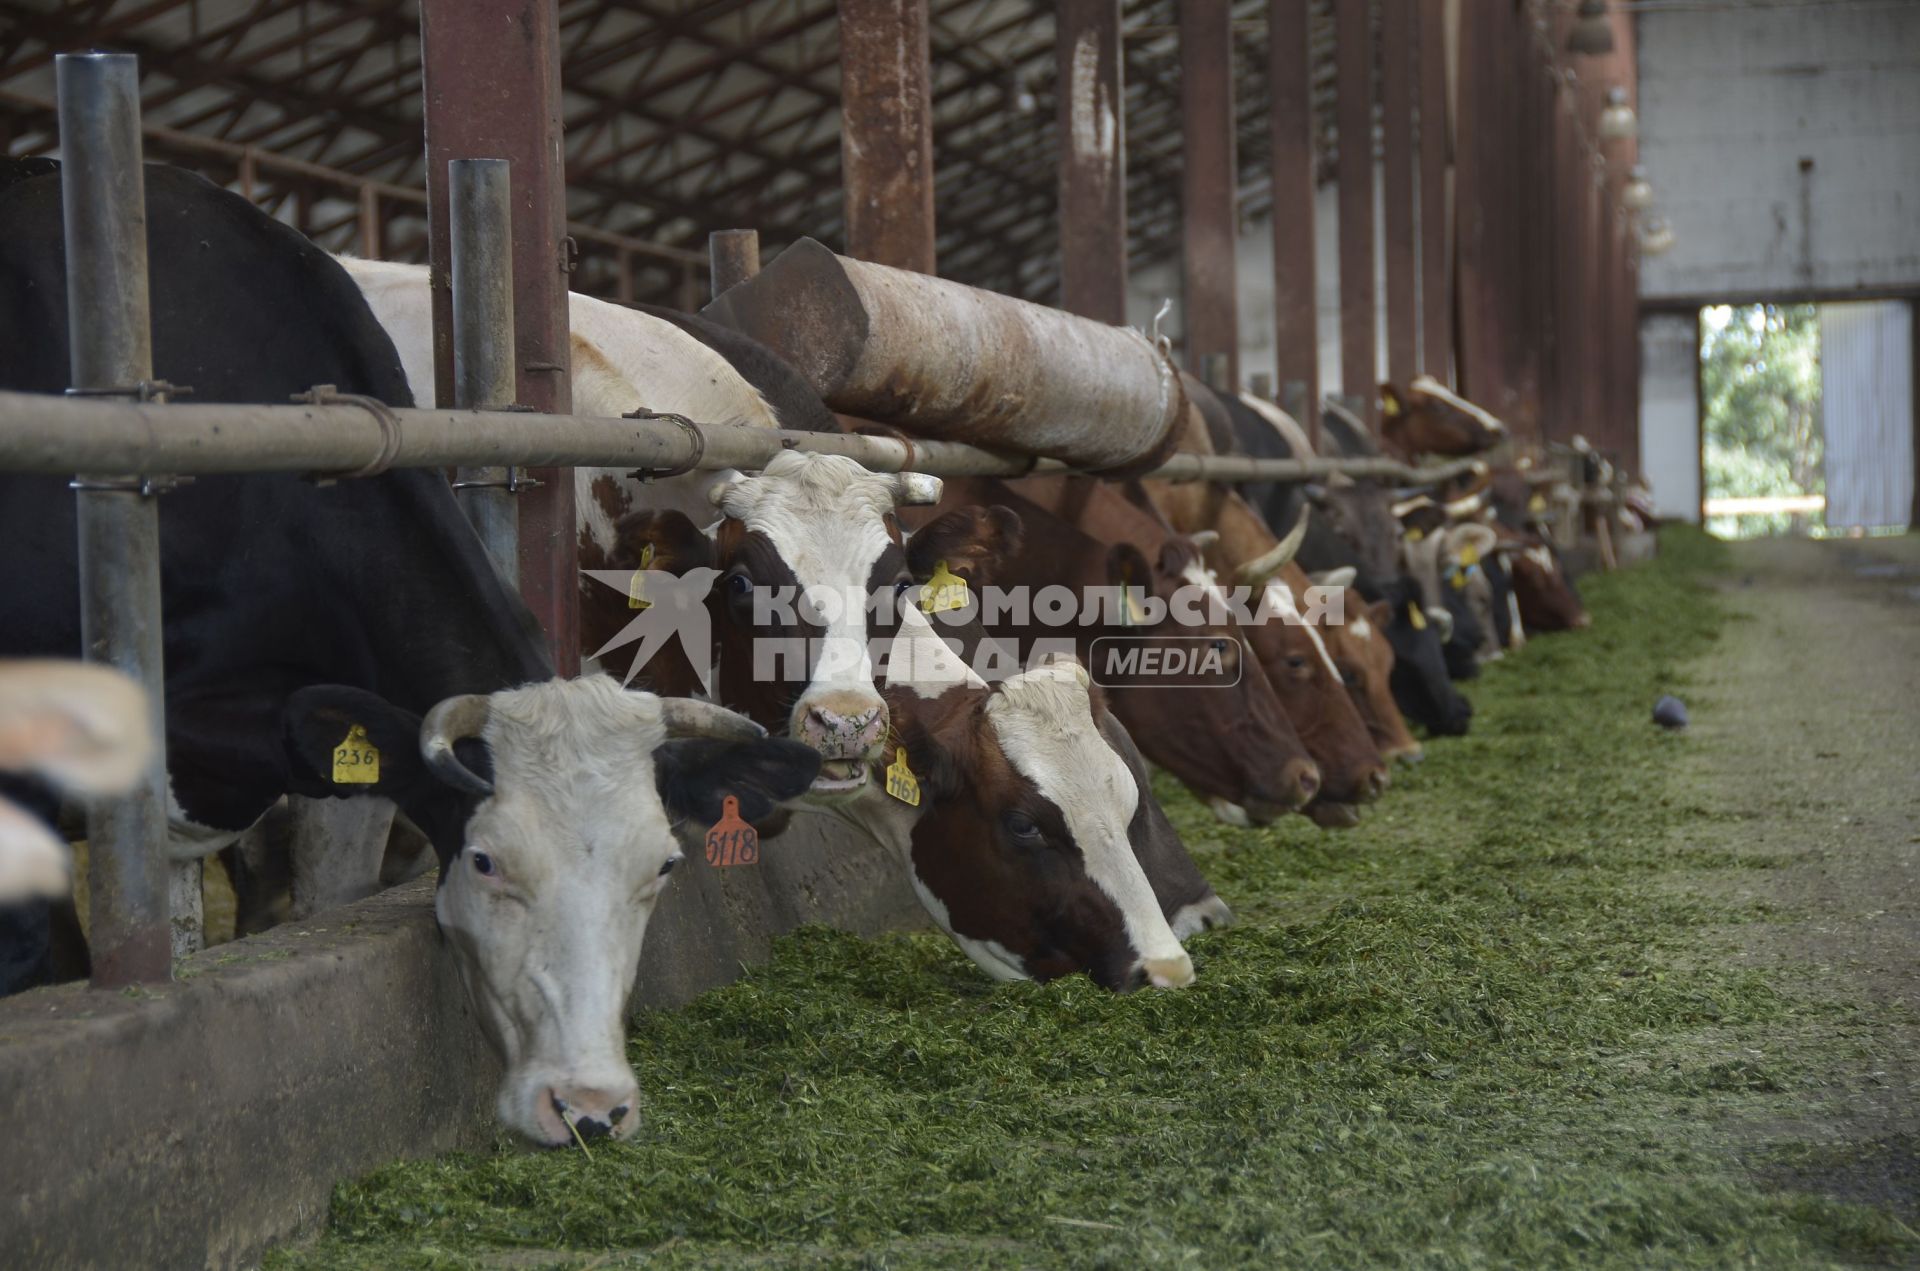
<point x="353" y="639"/>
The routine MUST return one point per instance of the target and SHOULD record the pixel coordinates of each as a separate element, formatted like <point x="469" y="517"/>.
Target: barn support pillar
<point x="1296" y="324"/>
<point x="1209" y="213"/>
<point x="886" y="132"/>
<point x="734" y="255"/>
<point x="1093" y="160"/>
<point x="491" y="83"/>
<point x="111" y="350"/>
<point x="1396" y="105"/>
<point x="1353" y="63"/>
<point x="1436" y="244"/>
<point x="480" y="205"/>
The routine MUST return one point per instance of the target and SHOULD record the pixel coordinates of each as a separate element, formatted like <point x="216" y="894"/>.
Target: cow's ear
<point x="1379" y="614"/>
<point x="695" y="775"/>
<point x="1127" y="567"/>
<point x="662" y="540"/>
<point x="973" y="541"/>
<point x="343" y="741"/>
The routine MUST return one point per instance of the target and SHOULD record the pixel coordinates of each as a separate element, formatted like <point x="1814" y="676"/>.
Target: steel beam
<point x="1296" y="311"/>
<point x="1208" y="189"/>
<point x="735" y="254"/>
<point x="480" y="224"/>
<point x="886" y="132"/>
<point x="103" y="200"/>
<point x="1093" y="159"/>
<point x="1359" y="369"/>
<point x="491" y="83"/>
<point x="1436" y="242"/>
<point x="1396" y="105"/>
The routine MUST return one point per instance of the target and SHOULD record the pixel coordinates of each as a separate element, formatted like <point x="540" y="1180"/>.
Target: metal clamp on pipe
<point x="145" y="391"/>
<point x="329" y="395"/>
<point x="696" y="446"/>
<point x="514" y="480"/>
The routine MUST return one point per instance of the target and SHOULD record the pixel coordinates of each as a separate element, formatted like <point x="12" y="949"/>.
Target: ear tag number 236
<point x="356" y="761"/>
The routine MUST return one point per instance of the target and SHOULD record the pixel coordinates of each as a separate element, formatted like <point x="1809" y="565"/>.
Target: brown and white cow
<point x="1428" y="418"/>
<point x="81" y="728"/>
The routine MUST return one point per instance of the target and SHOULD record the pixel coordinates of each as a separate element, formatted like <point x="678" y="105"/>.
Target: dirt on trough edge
<point x="1812" y="708"/>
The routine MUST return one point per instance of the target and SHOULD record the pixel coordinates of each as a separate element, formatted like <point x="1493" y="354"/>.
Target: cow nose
<point x="1374" y="784"/>
<point x="1302" y="778"/>
<point x="837" y="733"/>
<point x="592" y="1113"/>
<point x="1162" y="973"/>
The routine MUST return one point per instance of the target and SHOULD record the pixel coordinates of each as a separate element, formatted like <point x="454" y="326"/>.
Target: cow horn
<point x="690" y="717"/>
<point x="916" y="489"/>
<point x="1255" y="572"/>
<point x="1341" y="577"/>
<point x="449" y="722"/>
<point x="1204" y="539"/>
<point x="1442" y="620"/>
<point x="1461" y="508"/>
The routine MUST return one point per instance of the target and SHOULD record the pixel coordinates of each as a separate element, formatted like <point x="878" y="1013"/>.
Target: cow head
<point x="81" y="728"/>
<point x="1358" y="515"/>
<point x="1427" y="418"/>
<point x="1421" y="685"/>
<point x="1471" y="581"/>
<point x="1542" y="591"/>
<point x="1427" y="556"/>
<point x="1364" y="657"/>
<point x="1021" y="851"/>
<point x="553" y="810"/>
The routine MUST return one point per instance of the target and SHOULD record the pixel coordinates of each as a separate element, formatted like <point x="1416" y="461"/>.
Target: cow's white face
<point x="1043" y="720"/>
<point x="547" y="902"/>
<point x="826" y="520"/>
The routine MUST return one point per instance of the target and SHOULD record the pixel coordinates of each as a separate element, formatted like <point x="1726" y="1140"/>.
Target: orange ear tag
<point x="636" y="590"/>
<point x="732" y="841"/>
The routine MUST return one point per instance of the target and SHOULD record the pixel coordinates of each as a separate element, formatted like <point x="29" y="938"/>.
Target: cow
<point x="82" y="729"/>
<point x="352" y="639"/>
<point x="1363" y="655"/>
<point x="1427" y="556"/>
<point x="1428" y="418"/>
<point x="1232" y="745"/>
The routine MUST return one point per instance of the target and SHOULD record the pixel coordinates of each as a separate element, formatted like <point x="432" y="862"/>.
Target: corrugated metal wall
<point x="1866" y="407"/>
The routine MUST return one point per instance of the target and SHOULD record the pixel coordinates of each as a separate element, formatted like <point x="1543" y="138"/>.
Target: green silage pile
<point x="1486" y="1028"/>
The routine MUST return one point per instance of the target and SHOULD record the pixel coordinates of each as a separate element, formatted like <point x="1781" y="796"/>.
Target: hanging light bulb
<point x="1637" y="193"/>
<point x="1617" y="121"/>
<point x="1023" y="99"/>
<point x="1592" y="32"/>
<point x="1656" y="238"/>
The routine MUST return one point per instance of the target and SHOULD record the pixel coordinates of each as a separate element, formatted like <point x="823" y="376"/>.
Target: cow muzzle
<point x="849" y="732"/>
<point x="1162" y="973"/>
<point x="574" y="1114"/>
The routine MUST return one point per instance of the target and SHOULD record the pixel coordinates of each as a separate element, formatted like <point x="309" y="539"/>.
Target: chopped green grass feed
<point x="1488" y="1027"/>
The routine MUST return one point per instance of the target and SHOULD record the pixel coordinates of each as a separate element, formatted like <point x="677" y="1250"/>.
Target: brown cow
<point x="1364" y="657"/>
<point x="1233" y="746"/>
<point x="1428" y="418"/>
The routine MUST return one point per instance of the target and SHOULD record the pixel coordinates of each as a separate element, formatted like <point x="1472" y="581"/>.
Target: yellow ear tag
<point x="901" y="783"/>
<point x="1538" y="503"/>
<point x="1418" y="619"/>
<point x="1459" y="579"/>
<point x="356" y="761"/>
<point x="1414" y="536"/>
<point x="1132" y="613"/>
<point x="636" y="590"/>
<point x="1392" y="408"/>
<point x="945" y="590"/>
<point x="1469" y="556"/>
<point x="732" y="841"/>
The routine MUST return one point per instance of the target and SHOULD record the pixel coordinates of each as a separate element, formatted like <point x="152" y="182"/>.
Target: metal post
<point x="369" y="222"/>
<point x="1396" y="104"/>
<point x="103" y="194"/>
<point x="491" y="86"/>
<point x="1296" y="304"/>
<point x="480" y="207"/>
<point x="886" y="132"/>
<point x="1209" y="216"/>
<point x="734" y="255"/>
<point x="1436" y="244"/>
<point x="1353" y="60"/>
<point x="1093" y="159"/>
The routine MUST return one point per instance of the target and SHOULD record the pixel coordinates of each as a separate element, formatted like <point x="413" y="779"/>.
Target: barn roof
<point x="681" y="117"/>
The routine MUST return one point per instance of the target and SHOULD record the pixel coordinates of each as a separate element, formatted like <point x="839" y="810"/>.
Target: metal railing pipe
<point x="480" y="224"/>
<point x="103" y="196"/>
<point x="53" y="435"/>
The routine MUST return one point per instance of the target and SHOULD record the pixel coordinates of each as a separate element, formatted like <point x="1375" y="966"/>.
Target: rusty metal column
<point x="1296" y="305"/>
<point x="1093" y="159"/>
<point x="1396" y="104"/>
<point x="1436" y="244"/>
<point x="103" y="201"/>
<point x="1208" y="206"/>
<point x="734" y="255"/>
<point x="491" y="84"/>
<point x="1353" y="62"/>
<point x="886" y="132"/>
<point x="480" y="223"/>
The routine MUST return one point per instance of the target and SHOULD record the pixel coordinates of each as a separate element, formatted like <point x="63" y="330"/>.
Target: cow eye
<point x="483" y="865"/>
<point x="666" y="866"/>
<point x="739" y="584"/>
<point x="1023" y="827"/>
<point x="1219" y="646"/>
<point x="1297" y="662"/>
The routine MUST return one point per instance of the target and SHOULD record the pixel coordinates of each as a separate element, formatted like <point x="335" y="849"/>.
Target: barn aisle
<point x="1807" y="755"/>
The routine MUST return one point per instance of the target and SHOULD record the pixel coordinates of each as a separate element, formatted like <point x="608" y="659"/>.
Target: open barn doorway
<point x="1807" y="418"/>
